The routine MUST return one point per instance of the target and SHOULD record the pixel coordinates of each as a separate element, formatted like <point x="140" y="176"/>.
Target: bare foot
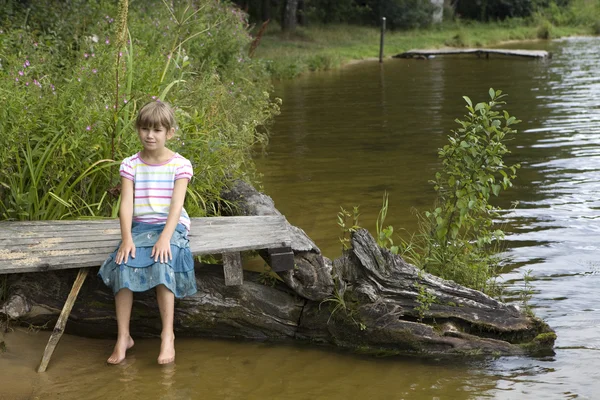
<point x="121" y="347"/>
<point x="167" y="349"/>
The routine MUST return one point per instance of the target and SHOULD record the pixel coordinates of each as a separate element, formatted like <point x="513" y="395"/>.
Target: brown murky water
<point x="345" y="137"/>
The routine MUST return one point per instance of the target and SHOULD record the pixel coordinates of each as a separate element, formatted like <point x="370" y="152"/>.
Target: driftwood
<point x="378" y="304"/>
<point x="312" y="279"/>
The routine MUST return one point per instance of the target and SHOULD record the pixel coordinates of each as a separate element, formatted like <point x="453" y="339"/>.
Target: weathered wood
<point x="33" y="246"/>
<point x="281" y="259"/>
<point x="487" y="52"/>
<point x="232" y="268"/>
<point x="311" y="276"/>
<point x="380" y="299"/>
<point x="59" y="328"/>
<point x="378" y="305"/>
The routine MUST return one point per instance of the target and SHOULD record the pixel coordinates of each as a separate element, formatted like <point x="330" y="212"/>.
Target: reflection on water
<point x="370" y="129"/>
<point x="343" y="139"/>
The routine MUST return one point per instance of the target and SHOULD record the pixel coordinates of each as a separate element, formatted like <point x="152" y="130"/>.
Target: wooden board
<point x="448" y="51"/>
<point x="31" y="246"/>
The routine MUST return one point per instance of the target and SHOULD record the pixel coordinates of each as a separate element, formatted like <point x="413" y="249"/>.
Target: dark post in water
<point x="381" y="41"/>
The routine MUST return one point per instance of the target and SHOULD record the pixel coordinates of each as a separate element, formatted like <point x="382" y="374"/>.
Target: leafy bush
<point x="72" y="78"/>
<point x="456" y="239"/>
<point x="573" y="13"/>
<point x="486" y="10"/>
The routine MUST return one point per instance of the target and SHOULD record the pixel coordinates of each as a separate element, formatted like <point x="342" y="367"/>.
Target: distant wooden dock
<point x="424" y="54"/>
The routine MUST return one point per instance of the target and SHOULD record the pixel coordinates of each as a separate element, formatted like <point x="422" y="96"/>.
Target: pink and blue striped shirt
<point x="153" y="187"/>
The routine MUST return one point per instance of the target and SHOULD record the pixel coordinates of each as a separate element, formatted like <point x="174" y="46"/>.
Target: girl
<point x="154" y="249"/>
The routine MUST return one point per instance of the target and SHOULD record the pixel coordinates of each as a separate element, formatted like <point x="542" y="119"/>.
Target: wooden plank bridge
<point x="38" y="246"/>
<point x="428" y="53"/>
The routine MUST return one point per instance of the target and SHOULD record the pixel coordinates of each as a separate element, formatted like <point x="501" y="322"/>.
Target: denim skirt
<point x="143" y="273"/>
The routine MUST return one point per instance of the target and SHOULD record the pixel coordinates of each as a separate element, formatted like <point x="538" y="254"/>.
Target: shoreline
<point x="352" y="62"/>
<point x="331" y="47"/>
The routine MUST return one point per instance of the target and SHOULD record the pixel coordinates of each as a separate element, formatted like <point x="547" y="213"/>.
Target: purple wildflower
<point x="86" y="55"/>
<point x="107" y="41"/>
<point x="94" y="70"/>
<point x="21" y="73"/>
<point x="88" y="128"/>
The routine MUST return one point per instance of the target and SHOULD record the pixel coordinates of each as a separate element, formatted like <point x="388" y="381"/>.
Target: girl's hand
<point x="127" y="248"/>
<point x="162" y="250"/>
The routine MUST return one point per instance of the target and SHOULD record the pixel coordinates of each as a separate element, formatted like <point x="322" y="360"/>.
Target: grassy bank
<point x="328" y="47"/>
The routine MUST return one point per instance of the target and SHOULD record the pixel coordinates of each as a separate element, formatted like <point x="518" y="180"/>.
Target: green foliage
<point x="485" y="10"/>
<point x="71" y="82"/>
<point x="457" y="238"/>
<point x="347" y="230"/>
<point x="527" y="293"/>
<point x="267" y="277"/>
<point x="384" y="234"/>
<point x="570" y="13"/>
<point x="544" y="30"/>
<point x="339" y="301"/>
<point x="425" y="299"/>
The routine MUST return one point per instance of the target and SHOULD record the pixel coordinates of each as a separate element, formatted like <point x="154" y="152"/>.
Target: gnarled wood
<point x="311" y="278"/>
<point x="379" y="296"/>
<point x="377" y="304"/>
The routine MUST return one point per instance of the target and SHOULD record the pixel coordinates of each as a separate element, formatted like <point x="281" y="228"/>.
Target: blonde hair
<point x="154" y="115"/>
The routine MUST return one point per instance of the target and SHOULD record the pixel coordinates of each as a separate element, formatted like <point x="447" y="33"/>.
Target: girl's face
<point x="155" y="138"/>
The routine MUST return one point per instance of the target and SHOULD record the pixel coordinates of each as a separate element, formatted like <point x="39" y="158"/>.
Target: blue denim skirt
<point x="143" y="273"/>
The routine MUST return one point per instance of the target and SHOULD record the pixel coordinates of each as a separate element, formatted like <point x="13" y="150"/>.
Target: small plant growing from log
<point x="425" y="299"/>
<point x="339" y="302"/>
<point x="384" y="234"/>
<point x="343" y="216"/>
<point x="527" y="292"/>
<point x="266" y="277"/>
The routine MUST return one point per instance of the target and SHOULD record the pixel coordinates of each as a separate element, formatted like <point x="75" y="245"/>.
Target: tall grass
<point x="68" y="111"/>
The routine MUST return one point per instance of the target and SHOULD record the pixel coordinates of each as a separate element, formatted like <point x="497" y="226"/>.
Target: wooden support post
<point x="62" y="319"/>
<point x="381" y="40"/>
<point x="232" y="267"/>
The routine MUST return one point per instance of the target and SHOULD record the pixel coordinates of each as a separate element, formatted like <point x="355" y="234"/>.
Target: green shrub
<point x="544" y="30"/>
<point x="457" y="238"/>
<point x="70" y="90"/>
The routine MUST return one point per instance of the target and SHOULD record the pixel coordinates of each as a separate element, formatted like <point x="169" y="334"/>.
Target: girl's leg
<point x="123" y="303"/>
<point x="166" y="305"/>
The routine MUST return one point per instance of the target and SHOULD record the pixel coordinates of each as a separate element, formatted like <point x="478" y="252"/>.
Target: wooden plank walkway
<point x="426" y="53"/>
<point x="37" y="246"/>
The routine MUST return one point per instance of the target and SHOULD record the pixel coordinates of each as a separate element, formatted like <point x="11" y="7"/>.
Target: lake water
<point x="343" y="138"/>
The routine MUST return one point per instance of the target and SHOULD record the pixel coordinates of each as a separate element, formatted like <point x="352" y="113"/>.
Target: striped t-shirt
<point x="153" y="187"/>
